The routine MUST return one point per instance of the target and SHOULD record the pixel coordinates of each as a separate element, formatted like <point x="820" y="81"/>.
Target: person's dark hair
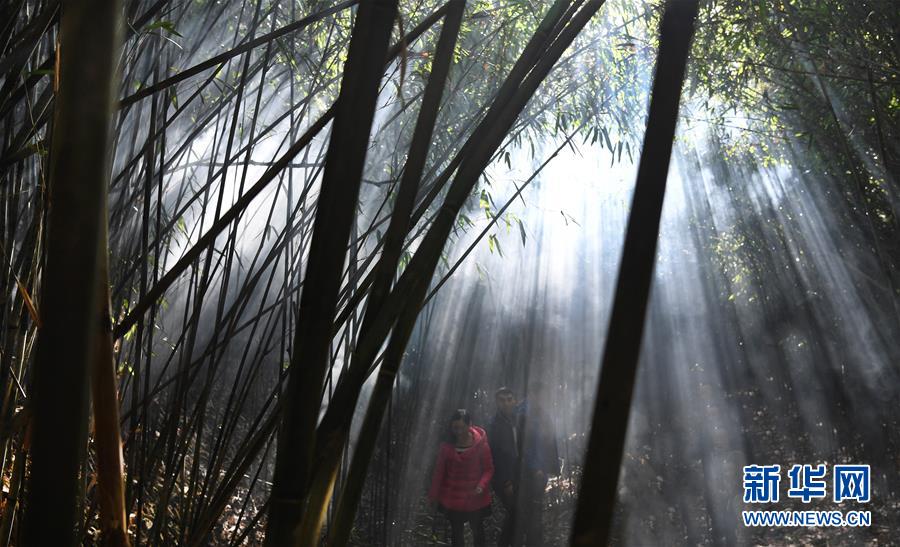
<point x="504" y="391"/>
<point x="459" y="414"/>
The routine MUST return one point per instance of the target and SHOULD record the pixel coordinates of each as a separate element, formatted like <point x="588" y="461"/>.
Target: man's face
<point x="506" y="404"/>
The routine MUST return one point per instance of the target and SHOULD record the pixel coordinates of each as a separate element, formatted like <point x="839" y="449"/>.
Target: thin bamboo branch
<point x="234" y="52"/>
<point x="234" y="212"/>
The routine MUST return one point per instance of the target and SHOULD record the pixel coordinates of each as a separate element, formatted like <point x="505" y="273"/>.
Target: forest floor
<point x="674" y="511"/>
<point x="433" y="529"/>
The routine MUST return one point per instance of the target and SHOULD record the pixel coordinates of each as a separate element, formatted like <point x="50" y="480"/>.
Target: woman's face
<point x="459" y="430"/>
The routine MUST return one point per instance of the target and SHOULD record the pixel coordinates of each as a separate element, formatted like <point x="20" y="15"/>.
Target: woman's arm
<point x="487" y="467"/>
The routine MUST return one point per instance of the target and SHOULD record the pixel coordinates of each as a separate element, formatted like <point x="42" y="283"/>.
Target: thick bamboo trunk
<point x="537" y="60"/>
<point x="596" y="497"/>
<point x="368" y="435"/>
<point x="411" y="288"/>
<point x="335" y="215"/>
<point x="380" y="398"/>
<point x="398" y="227"/>
<point x="380" y="317"/>
<point x="79" y="174"/>
<point x="386" y="267"/>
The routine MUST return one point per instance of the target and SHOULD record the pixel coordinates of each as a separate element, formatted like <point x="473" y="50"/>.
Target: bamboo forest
<point x="449" y="272"/>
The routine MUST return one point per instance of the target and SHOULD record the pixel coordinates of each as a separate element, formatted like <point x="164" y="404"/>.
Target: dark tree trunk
<point x="381" y="318"/>
<point x="596" y="497"/>
<point x="335" y="215"/>
<point x="386" y="268"/>
<point x="79" y="175"/>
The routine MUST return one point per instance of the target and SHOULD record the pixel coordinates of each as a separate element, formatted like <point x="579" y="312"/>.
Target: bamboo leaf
<point x="32" y="310"/>
<point x="167" y="26"/>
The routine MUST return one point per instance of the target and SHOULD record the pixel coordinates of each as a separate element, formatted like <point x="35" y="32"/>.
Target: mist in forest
<point x="785" y="361"/>
<point x="795" y="366"/>
<point x="771" y="335"/>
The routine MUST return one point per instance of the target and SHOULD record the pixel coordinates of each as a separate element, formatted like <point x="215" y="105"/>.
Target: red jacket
<point x="457" y="474"/>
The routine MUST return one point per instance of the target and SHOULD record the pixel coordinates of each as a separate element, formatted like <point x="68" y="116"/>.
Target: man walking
<point x="504" y="440"/>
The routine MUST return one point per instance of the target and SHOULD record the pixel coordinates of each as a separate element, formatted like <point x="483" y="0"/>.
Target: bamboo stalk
<point x="489" y="135"/>
<point x="383" y="316"/>
<point x="335" y="213"/>
<point x="234" y="52"/>
<point x="398" y="228"/>
<point x="107" y="437"/>
<point x="78" y="181"/>
<point x="597" y="493"/>
<point x="244" y="201"/>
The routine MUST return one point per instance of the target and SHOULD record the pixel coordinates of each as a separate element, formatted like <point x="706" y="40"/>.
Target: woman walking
<point x="461" y="479"/>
